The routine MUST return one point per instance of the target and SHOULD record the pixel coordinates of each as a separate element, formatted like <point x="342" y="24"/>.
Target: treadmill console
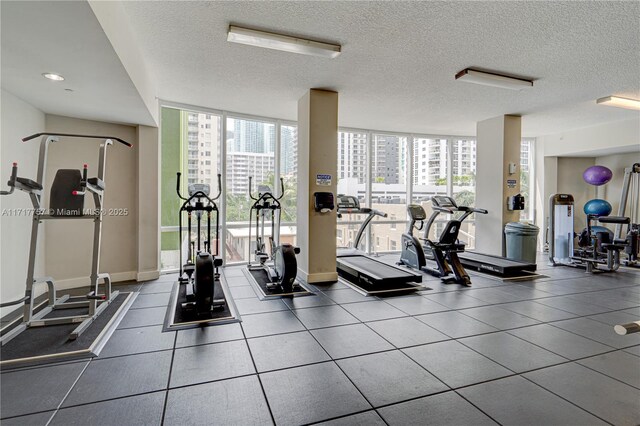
<point x="444" y="201"/>
<point x="416" y="212"/>
<point x="348" y="202"/>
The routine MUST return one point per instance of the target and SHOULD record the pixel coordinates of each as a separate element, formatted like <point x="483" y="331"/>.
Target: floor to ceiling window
<point x="352" y="180"/>
<point x="190" y="145"/>
<point x="385" y="171"/>
<point x="430" y="176"/>
<point x="250" y="150"/>
<point x="388" y="191"/>
<point x="527" y="178"/>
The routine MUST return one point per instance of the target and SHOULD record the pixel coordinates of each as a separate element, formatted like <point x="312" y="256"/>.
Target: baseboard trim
<point x="85" y="281"/>
<point x="148" y="275"/>
<point x="322" y="277"/>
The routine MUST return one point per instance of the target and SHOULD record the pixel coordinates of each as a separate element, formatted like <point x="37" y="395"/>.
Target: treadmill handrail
<point x="361" y="210"/>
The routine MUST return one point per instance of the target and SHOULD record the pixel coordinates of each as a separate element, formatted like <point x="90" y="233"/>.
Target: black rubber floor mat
<point x="179" y="318"/>
<point x="41" y="345"/>
<point x="258" y="279"/>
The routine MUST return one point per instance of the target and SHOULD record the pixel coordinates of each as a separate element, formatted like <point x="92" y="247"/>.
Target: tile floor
<point x="536" y="352"/>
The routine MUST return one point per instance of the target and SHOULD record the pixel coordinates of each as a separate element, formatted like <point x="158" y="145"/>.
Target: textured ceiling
<point x="399" y="59"/>
<point x="66" y="38"/>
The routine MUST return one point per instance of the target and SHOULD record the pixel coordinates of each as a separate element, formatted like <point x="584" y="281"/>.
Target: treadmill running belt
<point x="496" y="264"/>
<point x="372" y="267"/>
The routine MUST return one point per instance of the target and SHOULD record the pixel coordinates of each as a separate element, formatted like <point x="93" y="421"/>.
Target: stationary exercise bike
<point x="444" y="251"/>
<point x="281" y="272"/>
<point x="201" y="267"/>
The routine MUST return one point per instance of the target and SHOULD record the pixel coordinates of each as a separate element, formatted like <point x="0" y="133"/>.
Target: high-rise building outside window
<point x="182" y="148"/>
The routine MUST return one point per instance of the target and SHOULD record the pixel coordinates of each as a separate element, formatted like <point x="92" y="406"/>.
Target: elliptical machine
<point x="280" y="273"/>
<point x="444" y="251"/>
<point x="201" y="267"/>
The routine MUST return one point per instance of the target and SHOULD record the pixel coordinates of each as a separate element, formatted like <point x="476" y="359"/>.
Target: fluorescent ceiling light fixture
<point x="282" y="42"/>
<point x="619" y="102"/>
<point x="53" y="76"/>
<point x="492" y="79"/>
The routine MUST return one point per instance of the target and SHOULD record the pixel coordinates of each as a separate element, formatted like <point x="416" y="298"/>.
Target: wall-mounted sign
<point x="511" y="183"/>
<point x="323" y="180"/>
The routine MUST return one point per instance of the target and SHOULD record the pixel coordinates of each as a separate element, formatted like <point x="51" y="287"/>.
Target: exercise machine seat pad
<point x="96" y="182"/>
<point x="62" y="200"/>
<point x="450" y="232"/>
<point x="29" y="183"/>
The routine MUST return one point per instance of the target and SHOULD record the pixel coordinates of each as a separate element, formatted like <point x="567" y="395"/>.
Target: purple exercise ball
<point x="597" y="207"/>
<point x="597" y="175"/>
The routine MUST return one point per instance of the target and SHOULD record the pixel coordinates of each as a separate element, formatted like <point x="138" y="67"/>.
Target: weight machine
<point x="66" y="201"/>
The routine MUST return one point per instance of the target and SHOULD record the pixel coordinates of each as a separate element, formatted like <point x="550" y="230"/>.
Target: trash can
<point x="522" y="241"/>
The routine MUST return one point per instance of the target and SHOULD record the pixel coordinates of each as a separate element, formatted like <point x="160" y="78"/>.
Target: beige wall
<point x="613" y="190"/>
<point x="317" y="151"/>
<point x="148" y="199"/>
<point x="19" y="119"/>
<point x="570" y="181"/>
<point x="68" y="243"/>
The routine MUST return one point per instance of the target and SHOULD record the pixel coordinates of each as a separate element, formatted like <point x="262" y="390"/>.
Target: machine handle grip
<point x="178" y="174"/>
<point x="281" y="189"/>
<point x="378" y="213"/>
<point x="250" y="194"/>
<point x="12" y="180"/>
<point x="442" y="209"/>
<point x="72" y="135"/>
<point x="14" y="174"/>
<point x="219" y="187"/>
<point x="483" y="211"/>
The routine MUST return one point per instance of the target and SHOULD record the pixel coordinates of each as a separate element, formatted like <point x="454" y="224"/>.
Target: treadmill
<point x="489" y="264"/>
<point x="364" y="273"/>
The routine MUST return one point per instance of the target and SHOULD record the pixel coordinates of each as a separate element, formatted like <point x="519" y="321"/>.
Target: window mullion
<point x="450" y="167"/>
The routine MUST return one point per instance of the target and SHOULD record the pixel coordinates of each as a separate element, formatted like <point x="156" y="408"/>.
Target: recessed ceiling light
<point x="282" y="42"/>
<point x="53" y="76"/>
<point x="484" y="78"/>
<point x="619" y="102"/>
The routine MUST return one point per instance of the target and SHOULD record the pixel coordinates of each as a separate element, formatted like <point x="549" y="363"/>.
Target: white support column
<point x="498" y="145"/>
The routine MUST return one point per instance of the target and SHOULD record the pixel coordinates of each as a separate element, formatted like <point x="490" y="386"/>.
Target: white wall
<point x="619" y="135"/>
<point x="19" y="119"/>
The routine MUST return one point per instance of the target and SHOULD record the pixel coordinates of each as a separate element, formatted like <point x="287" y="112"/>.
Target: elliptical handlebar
<point x="199" y="194"/>
<point x="178" y="174"/>
<point x="281" y="189"/>
<point x="219" y="187"/>
<point x="266" y="195"/>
